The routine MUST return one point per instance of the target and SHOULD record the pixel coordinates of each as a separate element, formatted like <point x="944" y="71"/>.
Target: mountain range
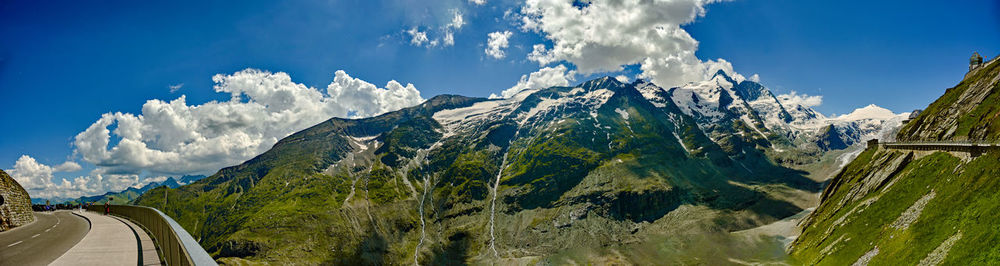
<point x="603" y="171"/>
<point x="126" y="196"/>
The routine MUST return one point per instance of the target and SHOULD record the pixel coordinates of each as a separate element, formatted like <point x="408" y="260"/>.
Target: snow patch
<point x="623" y="113"/>
<point x="681" y="142"/>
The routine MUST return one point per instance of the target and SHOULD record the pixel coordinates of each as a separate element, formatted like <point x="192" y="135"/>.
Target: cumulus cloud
<point x="68" y="166"/>
<point x="175" y="138"/>
<point x="543" y="78"/>
<point x="794" y="98"/>
<point x="496" y="44"/>
<point x="478" y="2"/>
<point x="603" y="36"/>
<point x="622" y="78"/>
<point x="37" y="179"/>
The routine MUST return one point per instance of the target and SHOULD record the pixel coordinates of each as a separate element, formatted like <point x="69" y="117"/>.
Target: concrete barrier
<point x="176" y="245"/>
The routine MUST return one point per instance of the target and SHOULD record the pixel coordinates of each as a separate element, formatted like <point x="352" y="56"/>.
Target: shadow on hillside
<point x="456" y="252"/>
<point x="696" y="184"/>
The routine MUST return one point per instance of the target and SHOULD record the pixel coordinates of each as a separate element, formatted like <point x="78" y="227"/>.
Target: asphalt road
<point x="42" y="241"/>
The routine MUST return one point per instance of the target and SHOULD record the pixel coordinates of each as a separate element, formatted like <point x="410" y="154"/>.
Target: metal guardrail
<point x="974" y="148"/>
<point x="943" y="143"/>
<point x="176" y="245"/>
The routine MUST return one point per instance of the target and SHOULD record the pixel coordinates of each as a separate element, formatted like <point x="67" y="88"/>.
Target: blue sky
<point x="65" y="63"/>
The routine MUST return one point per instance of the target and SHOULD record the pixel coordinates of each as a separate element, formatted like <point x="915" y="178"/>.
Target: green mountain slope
<point x="593" y="173"/>
<point x="892" y="207"/>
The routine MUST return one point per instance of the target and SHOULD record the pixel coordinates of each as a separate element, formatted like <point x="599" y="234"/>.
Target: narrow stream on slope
<point x="493" y="205"/>
<point x="496" y="185"/>
<point x="368" y="201"/>
<point x="423" y="226"/>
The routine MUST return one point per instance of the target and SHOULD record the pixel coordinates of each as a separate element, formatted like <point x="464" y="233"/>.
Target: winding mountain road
<point x="44" y="240"/>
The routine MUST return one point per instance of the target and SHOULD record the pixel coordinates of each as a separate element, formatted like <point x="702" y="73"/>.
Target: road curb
<point x="90" y="225"/>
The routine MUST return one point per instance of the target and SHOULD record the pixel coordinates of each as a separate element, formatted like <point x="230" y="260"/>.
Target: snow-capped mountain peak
<point x="868" y="112"/>
<point x="720" y="100"/>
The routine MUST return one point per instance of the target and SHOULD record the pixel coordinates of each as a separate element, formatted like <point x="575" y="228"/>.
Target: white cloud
<point x="755" y="78"/>
<point x="543" y="78"/>
<point x="448" y="39"/>
<point x="794" y="98"/>
<point x="150" y="180"/>
<point x="37" y="179"/>
<point x="446" y="33"/>
<point x="417" y="37"/>
<point x="175" y="138"/>
<point x="456" y="21"/>
<point x="496" y="43"/>
<point x="175" y="87"/>
<point x="456" y="24"/>
<point x="478" y="2"/>
<point x="30" y="173"/>
<point x="68" y="166"/>
<point x="606" y="35"/>
<point x="622" y="78"/>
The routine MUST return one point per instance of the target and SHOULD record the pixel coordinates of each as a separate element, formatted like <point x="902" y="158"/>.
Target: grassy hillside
<point x="929" y="207"/>
<point x="899" y="207"/>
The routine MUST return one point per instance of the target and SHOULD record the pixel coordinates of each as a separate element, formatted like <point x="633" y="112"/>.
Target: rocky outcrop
<point x="966" y="112"/>
<point x="15" y="204"/>
<point x="830" y="139"/>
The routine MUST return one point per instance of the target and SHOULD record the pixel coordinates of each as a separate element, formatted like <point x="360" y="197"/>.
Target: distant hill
<point x="126" y="196"/>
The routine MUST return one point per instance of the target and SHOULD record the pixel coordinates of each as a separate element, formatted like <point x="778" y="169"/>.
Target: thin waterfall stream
<point x="423" y="226"/>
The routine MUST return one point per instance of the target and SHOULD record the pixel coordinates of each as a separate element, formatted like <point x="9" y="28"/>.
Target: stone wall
<point x="16" y="208"/>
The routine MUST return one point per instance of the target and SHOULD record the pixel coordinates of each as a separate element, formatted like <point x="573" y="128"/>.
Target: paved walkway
<point x="111" y="241"/>
<point x="149" y="255"/>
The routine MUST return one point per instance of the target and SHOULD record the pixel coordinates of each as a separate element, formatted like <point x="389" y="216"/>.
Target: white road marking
<point x="15" y="243"/>
<point x="34" y="236"/>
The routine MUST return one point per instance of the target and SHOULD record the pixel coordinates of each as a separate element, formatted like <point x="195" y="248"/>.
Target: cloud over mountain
<point x="794" y="98"/>
<point x="175" y="137"/>
<point x="603" y="36"/>
<point x="543" y="78"/>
